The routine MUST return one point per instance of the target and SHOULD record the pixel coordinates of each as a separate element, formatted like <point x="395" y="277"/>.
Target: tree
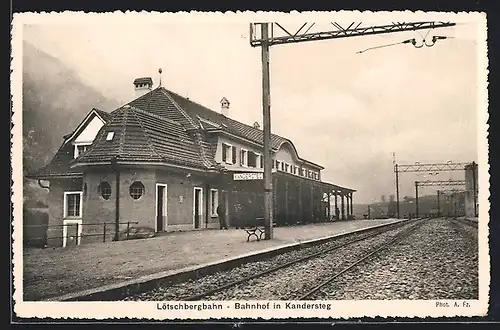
<point x="382" y="199"/>
<point x="407" y="199"/>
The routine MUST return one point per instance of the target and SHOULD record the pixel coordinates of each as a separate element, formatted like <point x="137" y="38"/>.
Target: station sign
<point x="248" y="176"/>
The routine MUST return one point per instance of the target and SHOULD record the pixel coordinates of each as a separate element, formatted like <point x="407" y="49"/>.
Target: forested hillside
<point x="55" y="100"/>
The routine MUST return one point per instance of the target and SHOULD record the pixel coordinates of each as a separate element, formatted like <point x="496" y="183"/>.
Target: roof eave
<point x="142" y="163"/>
<point x="305" y="161"/>
<point x="54" y="176"/>
<point x="222" y="131"/>
<point x="83" y="164"/>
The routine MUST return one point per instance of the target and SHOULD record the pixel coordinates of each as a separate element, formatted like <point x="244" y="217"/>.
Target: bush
<point x="40" y="204"/>
<point x="139" y="232"/>
<point x="35" y="225"/>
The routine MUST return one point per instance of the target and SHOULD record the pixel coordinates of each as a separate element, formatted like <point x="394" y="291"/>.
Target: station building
<point x="167" y="162"/>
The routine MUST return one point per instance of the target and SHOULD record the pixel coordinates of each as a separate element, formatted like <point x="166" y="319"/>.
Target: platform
<point x="50" y="273"/>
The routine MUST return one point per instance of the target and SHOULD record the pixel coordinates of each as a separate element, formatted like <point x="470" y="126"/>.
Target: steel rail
<point x="457" y="225"/>
<point x="376" y="232"/>
<point x="467" y="222"/>
<point x="406" y="233"/>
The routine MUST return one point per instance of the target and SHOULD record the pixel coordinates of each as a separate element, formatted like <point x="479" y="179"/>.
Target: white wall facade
<point x="286" y="154"/>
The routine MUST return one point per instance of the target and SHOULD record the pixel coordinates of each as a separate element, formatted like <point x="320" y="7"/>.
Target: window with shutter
<point x="243" y="157"/>
<point x="234" y="154"/>
<point x="261" y="161"/>
<point x="224" y="152"/>
<point x="252" y="159"/>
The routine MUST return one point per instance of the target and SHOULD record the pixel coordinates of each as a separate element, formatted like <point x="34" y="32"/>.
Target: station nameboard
<point x="248" y="176"/>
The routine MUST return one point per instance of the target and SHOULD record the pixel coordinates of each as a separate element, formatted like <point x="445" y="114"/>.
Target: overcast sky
<point x="348" y="112"/>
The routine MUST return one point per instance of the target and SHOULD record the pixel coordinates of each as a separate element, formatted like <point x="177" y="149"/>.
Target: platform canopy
<point x="326" y="186"/>
<point x="258" y="176"/>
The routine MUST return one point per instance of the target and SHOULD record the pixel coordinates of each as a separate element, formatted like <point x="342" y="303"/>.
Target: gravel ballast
<point x="438" y="261"/>
<point x="267" y="287"/>
<point x="292" y="282"/>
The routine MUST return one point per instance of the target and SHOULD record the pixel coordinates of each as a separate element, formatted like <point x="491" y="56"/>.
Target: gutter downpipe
<point x="114" y="165"/>
<point x="41" y="185"/>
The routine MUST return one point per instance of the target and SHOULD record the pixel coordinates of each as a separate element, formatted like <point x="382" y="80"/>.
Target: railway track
<point x="463" y="227"/>
<point x="376" y="232"/>
<point x="312" y="292"/>
<point x="468" y="222"/>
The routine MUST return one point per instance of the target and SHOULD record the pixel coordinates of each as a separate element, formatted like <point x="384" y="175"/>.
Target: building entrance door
<point x="197" y="207"/>
<point x="225" y="202"/>
<point x="161" y="207"/>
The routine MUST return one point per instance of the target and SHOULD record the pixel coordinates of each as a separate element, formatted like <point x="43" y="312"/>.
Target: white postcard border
<point x="155" y="310"/>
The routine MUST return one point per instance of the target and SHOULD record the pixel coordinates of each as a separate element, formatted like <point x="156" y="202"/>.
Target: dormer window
<point x="80" y="148"/>
<point x="110" y="136"/>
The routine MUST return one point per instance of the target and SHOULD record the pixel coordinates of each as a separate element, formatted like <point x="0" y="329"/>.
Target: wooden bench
<point x="258" y="229"/>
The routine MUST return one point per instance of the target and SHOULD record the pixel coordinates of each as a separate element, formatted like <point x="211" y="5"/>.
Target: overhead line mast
<point x="268" y="38"/>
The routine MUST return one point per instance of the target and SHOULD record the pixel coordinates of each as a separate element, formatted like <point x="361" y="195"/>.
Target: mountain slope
<point x="55" y="100"/>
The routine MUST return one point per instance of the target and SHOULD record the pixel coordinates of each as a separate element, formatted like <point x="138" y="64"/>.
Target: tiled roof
<point x="103" y="114"/>
<point x="160" y="103"/>
<point x="160" y="126"/>
<point x="191" y="115"/>
<point x="140" y="136"/>
<point x="207" y="118"/>
<point x="59" y="166"/>
<point x="229" y="125"/>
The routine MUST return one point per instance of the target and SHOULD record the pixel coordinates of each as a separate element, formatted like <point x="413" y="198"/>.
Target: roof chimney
<point x="143" y="85"/>
<point x="224" y="105"/>
<point x="256" y="125"/>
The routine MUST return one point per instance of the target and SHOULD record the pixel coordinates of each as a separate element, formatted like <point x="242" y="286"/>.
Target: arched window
<point x="136" y="190"/>
<point x="104" y="189"/>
